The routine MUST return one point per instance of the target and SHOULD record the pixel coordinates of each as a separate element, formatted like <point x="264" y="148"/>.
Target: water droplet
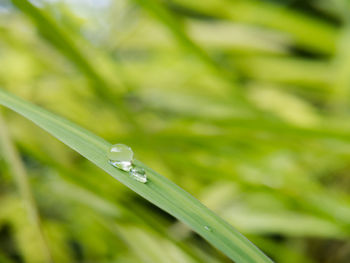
<point x="138" y="174"/>
<point x="208" y="228"/>
<point x="120" y="156"/>
<point x="125" y="166"/>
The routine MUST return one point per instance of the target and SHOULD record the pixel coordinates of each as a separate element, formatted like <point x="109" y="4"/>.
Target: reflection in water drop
<point x="125" y="166"/>
<point x="138" y="174"/>
<point x="120" y="156"/>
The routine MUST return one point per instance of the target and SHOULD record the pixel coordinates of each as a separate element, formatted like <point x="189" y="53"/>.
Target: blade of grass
<point x="298" y="25"/>
<point x="105" y="84"/>
<point x="178" y="31"/>
<point x="21" y="179"/>
<point x="102" y="83"/>
<point x="227" y="74"/>
<point x="159" y="190"/>
<point x="63" y="42"/>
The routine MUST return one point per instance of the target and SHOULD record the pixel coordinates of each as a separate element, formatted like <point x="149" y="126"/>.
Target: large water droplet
<point x="121" y="156"/>
<point x="138" y="174"/>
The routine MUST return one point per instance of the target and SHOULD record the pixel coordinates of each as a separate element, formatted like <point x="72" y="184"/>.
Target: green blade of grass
<point x="108" y="88"/>
<point x="227" y="74"/>
<point x="21" y="179"/>
<point x="272" y="15"/>
<point x="95" y="64"/>
<point x="178" y="31"/>
<point x="62" y="41"/>
<point x="158" y="190"/>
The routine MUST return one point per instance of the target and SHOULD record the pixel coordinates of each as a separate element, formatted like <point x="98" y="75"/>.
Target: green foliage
<point x="157" y="190"/>
<point x="243" y="103"/>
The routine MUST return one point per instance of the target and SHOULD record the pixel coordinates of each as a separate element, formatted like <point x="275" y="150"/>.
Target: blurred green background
<point x="245" y="104"/>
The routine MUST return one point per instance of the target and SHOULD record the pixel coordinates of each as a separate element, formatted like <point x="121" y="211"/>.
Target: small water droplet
<point x="120" y="156"/>
<point x="138" y="174"/>
<point x="125" y="166"/>
<point x="208" y="228"/>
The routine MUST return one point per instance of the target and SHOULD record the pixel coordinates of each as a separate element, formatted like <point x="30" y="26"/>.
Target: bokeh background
<point x="243" y="103"/>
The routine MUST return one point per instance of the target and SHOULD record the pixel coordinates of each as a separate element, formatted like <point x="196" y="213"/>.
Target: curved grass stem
<point x="21" y="179"/>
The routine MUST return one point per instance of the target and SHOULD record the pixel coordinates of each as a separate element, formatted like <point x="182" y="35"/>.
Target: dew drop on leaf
<point x="138" y="174"/>
<point x="121" y="156"/>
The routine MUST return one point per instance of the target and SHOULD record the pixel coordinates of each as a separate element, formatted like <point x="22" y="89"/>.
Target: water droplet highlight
<point x="138" y="174"/>
<point x="125" y="166"/>
<point x="208" y="228"/>
<point x="120" y="156"/>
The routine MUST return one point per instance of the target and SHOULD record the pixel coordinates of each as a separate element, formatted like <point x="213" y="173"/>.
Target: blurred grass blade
<point x="224" y="72"/>
<point x="21" y="179"/>
<point x="178" y="31"/>
<point x="272" y="15"/>
<point x="57" y="36"/>
<point x="76" y="51"/>
<point x="158" y="190"/>
<point x="160" y="12"/>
